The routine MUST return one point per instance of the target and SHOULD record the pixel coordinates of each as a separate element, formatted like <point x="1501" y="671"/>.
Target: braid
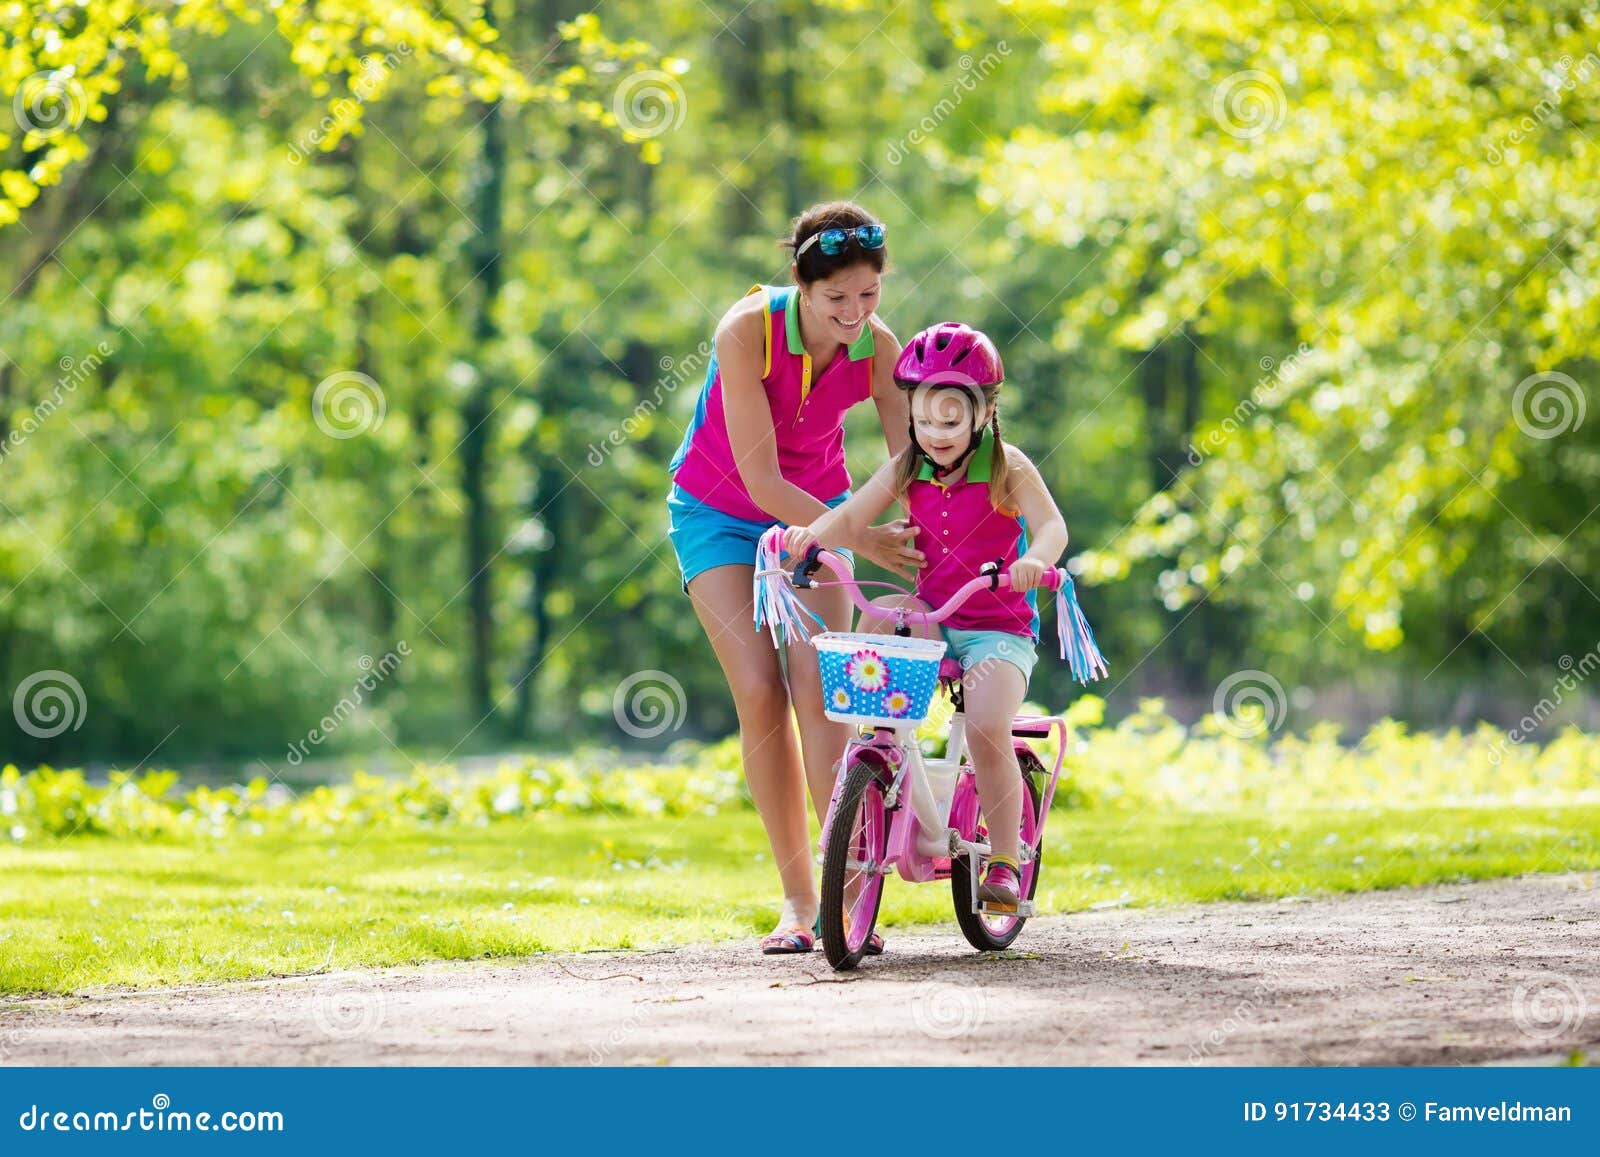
<point x="999" y="470"/>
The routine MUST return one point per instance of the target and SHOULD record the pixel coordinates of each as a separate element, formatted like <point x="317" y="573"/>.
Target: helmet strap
<point x="945" y="471"/>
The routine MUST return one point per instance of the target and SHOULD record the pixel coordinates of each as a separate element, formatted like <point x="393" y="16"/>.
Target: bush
<point x="1148" y="760"/>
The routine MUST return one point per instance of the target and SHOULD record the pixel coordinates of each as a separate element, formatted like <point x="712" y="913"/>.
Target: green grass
<point x="90" y="912"/>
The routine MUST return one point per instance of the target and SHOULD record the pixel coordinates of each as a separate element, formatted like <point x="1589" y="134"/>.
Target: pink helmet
<point x="950" y="353"/>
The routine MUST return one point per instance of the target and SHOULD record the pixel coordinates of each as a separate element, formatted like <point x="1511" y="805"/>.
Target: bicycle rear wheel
<point x="853" y="867"/>
<point x="991" y="933"/>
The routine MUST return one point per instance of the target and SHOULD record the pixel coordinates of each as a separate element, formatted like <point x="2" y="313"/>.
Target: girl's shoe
<point x="1001" y="887"/>
<point x="874" y="942"/>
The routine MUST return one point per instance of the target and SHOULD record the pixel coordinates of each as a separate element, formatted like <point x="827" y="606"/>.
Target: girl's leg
<point x="994" y="690"/>
<point x="821" y="740"/>
<point x="722" y="599"/>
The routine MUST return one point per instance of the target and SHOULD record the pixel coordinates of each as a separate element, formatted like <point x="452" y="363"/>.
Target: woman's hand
<point x="889" y="545"/>
<point x="1026" y="573"/>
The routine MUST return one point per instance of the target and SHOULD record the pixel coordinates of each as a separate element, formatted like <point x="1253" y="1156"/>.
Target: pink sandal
<point x="874" y="945"/>
<point x="794" y="942"/>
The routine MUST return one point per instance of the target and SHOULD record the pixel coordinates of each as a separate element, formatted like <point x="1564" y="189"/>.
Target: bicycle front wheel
<point x="853" y="867"/>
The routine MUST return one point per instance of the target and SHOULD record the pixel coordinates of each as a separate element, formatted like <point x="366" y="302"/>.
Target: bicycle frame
<point x="925" y="838"/>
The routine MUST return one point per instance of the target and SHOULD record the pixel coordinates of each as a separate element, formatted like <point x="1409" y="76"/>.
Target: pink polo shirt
<point x="807" y="416"/>
<point x="958" y="530"/>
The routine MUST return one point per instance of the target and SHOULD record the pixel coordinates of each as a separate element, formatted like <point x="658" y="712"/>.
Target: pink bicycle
<point x="885" y="684"/>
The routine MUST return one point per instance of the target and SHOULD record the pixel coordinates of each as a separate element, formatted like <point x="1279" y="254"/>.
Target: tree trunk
<point x="789" y="104"/>
<point x="1154" y="368"/>
<point x="476" y="415"/>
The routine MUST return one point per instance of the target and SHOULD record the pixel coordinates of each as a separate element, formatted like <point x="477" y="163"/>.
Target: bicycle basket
<point x="878" y="680"/>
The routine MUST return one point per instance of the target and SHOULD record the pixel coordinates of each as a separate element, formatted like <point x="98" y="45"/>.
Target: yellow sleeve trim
<point x="766" y="328"/>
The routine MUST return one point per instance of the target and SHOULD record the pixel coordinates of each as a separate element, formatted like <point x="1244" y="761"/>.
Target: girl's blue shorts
<point x="705" y="537"/>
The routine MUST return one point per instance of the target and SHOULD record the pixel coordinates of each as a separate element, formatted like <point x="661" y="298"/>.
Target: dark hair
<point x="814" y="264"/>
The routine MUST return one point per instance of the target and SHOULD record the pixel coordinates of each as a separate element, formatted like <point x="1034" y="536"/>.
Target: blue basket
<point x="878" y="680"/>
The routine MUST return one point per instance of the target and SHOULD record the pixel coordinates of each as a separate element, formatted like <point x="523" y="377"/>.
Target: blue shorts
<point x="973" y="648"/>
<point x="705" y="537"/>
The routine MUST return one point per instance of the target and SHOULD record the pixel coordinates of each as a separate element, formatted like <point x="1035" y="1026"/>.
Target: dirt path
<point x="1500" y="971"/>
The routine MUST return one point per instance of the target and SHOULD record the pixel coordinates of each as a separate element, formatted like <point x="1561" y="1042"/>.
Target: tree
<point x="1393" y="204"/>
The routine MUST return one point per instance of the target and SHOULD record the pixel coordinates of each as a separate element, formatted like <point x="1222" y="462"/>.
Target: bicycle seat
<point x="950" y="668"/>
<point x="1031" y="726"/>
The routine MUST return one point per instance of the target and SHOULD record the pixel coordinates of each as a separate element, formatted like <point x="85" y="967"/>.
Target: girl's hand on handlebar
<point x="798" y="539"/>
<point x="1027" y="573"/>
<point x="889" y="545"/>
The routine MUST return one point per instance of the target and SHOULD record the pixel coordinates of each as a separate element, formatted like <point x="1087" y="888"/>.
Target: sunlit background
<point x="344" y="348"/>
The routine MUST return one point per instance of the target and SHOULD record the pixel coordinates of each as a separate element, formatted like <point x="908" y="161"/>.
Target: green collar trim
<point x="980" y="465"/>
<point x="860" y="348"/>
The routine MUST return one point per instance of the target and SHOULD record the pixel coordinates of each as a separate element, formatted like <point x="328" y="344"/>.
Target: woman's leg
<point x="821" y="740"/>
<point x="994" y="690"/>
<point x="722" y="599"/>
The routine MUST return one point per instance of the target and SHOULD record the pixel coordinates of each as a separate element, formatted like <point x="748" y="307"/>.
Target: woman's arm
<point x="755" y="444"/>
<point x="894" y="409"/>
<point x="1047" y="530"/>
<point x="847" y="523"/>
<point x="749" y="418"/>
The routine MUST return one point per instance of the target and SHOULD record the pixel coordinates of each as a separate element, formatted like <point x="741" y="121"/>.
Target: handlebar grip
<point x="1053" y="578"/>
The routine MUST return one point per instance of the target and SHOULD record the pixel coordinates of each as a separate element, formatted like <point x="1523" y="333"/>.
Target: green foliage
<point x="1389" y="212"/>
<point x="229" y="204"/>
<point x="1147" y="761"/>
<point x="47" y="803"/>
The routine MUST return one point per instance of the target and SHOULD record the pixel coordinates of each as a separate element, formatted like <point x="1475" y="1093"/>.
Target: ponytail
<point x="1000" y="467"/>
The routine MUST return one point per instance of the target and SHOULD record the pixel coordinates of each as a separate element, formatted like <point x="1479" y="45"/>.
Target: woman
<point x="766" y="447"/>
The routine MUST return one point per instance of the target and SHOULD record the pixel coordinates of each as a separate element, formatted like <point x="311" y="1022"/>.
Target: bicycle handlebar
<point x="995" y="580"/>
<point x="777" y="606"/>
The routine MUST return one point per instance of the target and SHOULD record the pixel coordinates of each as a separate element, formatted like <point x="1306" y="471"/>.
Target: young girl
<point x="972" y="500"/>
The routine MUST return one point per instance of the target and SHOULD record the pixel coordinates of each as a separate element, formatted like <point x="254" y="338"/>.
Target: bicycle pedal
<point x="1023" y="910"/>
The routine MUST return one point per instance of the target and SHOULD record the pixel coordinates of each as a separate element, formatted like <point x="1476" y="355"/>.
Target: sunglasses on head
<point x="833" y="241"/>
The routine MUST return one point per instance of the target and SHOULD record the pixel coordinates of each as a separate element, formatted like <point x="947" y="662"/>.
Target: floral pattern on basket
<point x="867" y="671"/>
<point x="875" y="680"/>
